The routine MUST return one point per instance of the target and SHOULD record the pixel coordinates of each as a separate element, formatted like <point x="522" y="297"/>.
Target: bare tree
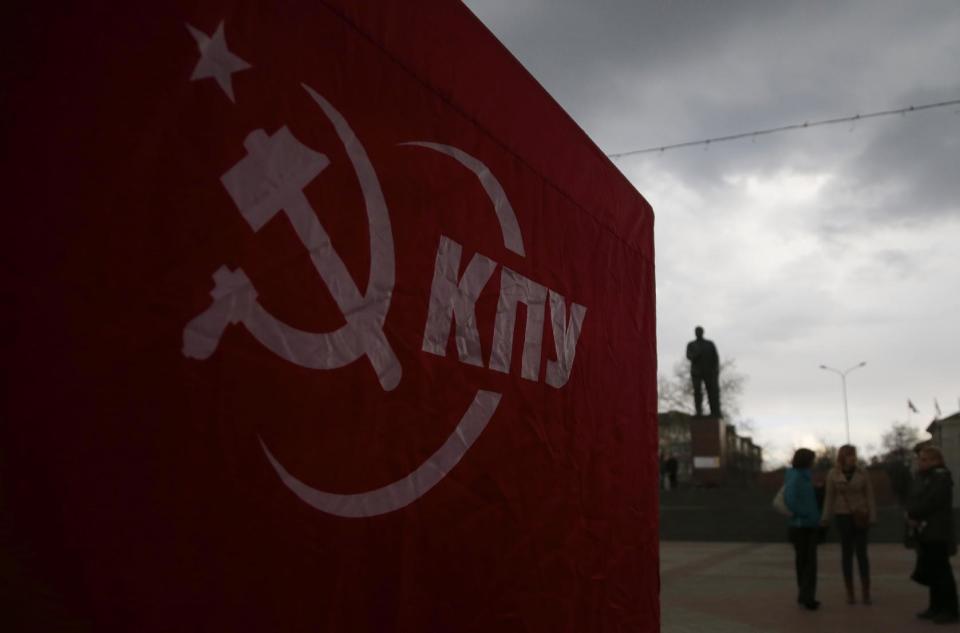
<point x="898" y="443"/>
<point x="826" y="456"/>
<point x="675" y="392"/>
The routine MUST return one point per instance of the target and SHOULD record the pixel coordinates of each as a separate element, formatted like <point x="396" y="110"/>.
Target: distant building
<point x="708" y="450"/>
<point x="945" y="434"/>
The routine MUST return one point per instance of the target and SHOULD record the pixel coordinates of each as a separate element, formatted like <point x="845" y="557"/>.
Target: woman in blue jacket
<point x="800" y="498"/>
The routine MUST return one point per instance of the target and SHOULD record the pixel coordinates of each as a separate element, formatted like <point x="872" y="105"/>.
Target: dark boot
<point x="866" y="590"/>
<point x="848" y="585"/>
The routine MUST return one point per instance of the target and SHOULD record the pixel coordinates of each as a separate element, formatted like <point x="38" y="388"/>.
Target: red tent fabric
<point x="320" y="316"/>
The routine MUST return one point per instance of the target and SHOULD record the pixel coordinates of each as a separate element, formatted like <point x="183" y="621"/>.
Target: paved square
<point x="750" y="588"/>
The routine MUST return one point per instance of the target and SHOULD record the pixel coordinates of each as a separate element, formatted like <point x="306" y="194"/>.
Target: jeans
<point x="853" y="540"/>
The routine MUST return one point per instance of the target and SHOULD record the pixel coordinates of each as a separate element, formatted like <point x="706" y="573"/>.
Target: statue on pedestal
<point x="704" y="371"/>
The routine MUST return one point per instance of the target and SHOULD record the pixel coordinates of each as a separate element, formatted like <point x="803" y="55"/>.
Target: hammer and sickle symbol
<point x="271" y="179"/>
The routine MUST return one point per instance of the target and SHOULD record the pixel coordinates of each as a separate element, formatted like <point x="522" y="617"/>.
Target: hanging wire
<point x="796" y="126"/>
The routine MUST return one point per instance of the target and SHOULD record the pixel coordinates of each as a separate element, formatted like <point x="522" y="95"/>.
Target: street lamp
<point x="843" y="380"/>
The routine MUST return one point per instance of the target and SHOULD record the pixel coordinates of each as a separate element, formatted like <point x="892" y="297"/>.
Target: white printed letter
<point x="565" y="337"/>
<point x="515" y="288"/>
<point x="452" y="299"/>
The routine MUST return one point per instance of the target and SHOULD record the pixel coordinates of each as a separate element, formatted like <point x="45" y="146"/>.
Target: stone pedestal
<point x="708" y="448"/>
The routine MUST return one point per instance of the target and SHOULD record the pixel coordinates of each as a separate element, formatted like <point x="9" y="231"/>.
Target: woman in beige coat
<point x="849" y="499"/>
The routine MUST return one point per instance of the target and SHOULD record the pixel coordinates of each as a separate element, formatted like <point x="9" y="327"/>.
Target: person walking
<point x="850" y="499"/>
<point x="799" y="496"/>
<point x="672" y="467"/>
<point x="930" y="515"/>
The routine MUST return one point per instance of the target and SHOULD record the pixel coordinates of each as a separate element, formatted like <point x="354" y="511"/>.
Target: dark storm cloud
<point x="905" y="175"/>
<point x="922" y="154"/>
<point x="641" y="74"/>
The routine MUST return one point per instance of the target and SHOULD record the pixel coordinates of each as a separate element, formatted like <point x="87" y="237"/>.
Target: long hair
<point x="803" y="458"/>
<point x="842" y="453"/>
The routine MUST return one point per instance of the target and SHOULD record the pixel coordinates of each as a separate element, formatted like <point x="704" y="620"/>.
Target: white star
<point x="215" y="59"/>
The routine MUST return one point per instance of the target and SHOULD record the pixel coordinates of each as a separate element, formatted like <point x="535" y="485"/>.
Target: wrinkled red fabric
<point x="136" y="494"/>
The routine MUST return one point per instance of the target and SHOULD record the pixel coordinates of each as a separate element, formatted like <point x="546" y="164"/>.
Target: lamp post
<point x="843" y="381"/>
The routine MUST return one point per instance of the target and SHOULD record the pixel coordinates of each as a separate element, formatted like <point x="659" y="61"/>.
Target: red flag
<point x="326" y="317"/>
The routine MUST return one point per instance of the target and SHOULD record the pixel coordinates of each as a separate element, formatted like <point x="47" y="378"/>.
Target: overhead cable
<point x="784" y="128"/>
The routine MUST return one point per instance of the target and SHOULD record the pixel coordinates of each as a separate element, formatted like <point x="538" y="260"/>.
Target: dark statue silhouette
<point x="704" y="371"/>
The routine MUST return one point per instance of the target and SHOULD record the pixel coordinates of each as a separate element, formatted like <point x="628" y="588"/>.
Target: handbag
<point x="779" y="504"/>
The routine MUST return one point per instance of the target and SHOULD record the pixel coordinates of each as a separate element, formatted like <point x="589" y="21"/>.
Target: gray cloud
<point x="650" y="73"/>
<point x="920" y="154"/>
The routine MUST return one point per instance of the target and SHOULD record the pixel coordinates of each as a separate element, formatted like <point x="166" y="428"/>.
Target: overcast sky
<point x="831" y="245"/>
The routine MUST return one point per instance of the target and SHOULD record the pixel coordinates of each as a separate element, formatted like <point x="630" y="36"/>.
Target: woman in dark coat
<point x="930" y="515"/>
